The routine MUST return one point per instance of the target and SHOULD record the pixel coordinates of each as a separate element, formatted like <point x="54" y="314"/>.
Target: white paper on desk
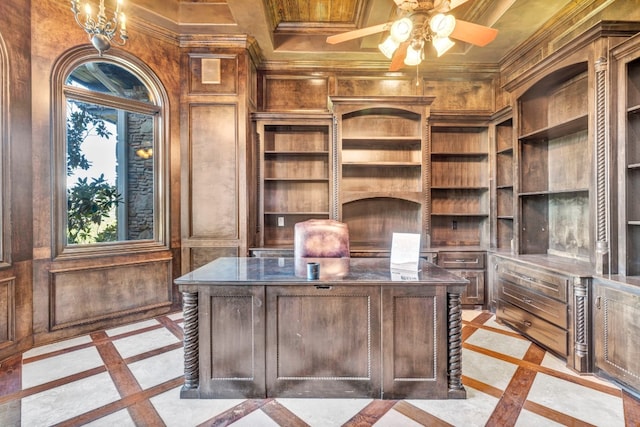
<point x="404" y="276"/>
<point x="405" y="251"/>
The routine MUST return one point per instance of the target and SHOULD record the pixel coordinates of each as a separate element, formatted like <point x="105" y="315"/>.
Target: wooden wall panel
<point x="375" y="86"/>
<point x="7" y="310"/>
<point x="213" y="178"/>
<point x="201" y="256"/>
<point x="199" y="67"/>
<point x="461" y="96"/>
<point x="308" y="92"/>
<point x="79" y="296"/>
<point x="286" y="93"/>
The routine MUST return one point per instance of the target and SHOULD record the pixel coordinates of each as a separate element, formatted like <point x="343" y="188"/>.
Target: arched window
<point x="109" y="157"/>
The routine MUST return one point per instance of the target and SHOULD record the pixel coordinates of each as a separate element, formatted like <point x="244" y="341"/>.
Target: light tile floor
<point x="131" y="376"/>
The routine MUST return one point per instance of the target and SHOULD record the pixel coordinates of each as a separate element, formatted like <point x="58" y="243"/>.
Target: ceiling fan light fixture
<point x="401" y="30"/>
<point x="388" y="47"/>
<point x="442" y="25"/>
<point x="415" y="53"/>
<point x="442" y="44"/>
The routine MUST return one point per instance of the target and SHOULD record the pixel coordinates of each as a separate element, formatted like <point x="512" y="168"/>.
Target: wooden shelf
<point x="461" y="214"/>
<point x="573" y="125"/>
<point x="295" y="172"/>
<point x="373" y="140"/>
<point x="381" y="165"/>
<point x="459" y="154"/>
<point x="351" y="196"/>
<point x="310" y="179"/>
<point x="502" y="207"/>
<point x="459" y="184"/>
<point x="555" y="166"/>
<point x="296" y="213"/>
<point x="296" y="153"/>
<point x="547" y="192"/>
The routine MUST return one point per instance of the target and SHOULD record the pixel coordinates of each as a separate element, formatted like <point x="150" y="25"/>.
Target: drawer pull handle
<point x="527" y="300"/>
<point x="527" y="323"/>
<point x="323" y="287"/>
<point x="465" y="261"/>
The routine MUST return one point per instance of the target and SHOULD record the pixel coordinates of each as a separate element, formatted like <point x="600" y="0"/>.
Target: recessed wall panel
<point x="213" y="162"/>
<point x="87" y="295"/>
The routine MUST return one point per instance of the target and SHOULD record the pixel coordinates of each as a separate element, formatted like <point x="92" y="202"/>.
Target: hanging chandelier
<point x="101" y="31"/>
<point x="418" y="30"/>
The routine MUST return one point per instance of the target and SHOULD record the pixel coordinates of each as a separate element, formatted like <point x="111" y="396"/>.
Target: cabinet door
<point x="414" y="351"/>
<point x="232" y="336"/>
<point x="323" y="341"/>
<point x="474" y="294"/>
<point x="616" y="332"/>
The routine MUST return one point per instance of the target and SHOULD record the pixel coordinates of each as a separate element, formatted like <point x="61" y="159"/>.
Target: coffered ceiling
<point x="295" y="31"/>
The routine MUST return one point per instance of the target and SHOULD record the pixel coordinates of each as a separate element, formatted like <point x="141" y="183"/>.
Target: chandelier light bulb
<point x="442" y="25"/>
<point x="401" y="30"/>
<point x="388" y="47"/>
<point x="101" y="30"/>
<point x="442" y="44"/>
<point x="414" y="53"/>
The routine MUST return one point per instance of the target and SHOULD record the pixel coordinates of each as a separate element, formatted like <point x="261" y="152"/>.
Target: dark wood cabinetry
<point x="256" y="328"/>
<point x="546" y="300"/>
<point x="459" y="185"/>
<point x="295" y="173"/>
<point x="616" y="311"/>
<point x="555" y="166"/>
<point x="628" y="130"/>
<point x="503" y="179"/>
<point x="468" y="265"/>
<point x="380" y="167"/>
<point x="381" y="172"/>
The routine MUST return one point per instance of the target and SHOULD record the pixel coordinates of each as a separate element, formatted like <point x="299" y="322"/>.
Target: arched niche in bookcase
<point x="382" y="167"/>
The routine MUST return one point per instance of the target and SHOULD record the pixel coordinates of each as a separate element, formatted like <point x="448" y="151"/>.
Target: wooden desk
<point x="256" y="328"/>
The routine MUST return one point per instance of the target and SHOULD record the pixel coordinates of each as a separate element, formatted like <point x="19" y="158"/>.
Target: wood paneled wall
<point x="307" y="90"/>
<point x="218" y="177"/>
<point x="15" y="192"/>
<point x="80" y="294"/>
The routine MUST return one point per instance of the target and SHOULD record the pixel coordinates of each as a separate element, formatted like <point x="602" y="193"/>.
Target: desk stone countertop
<point x="294" y="271"/>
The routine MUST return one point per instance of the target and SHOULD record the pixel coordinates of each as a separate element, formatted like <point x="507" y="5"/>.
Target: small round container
<point x="313" y="271"/>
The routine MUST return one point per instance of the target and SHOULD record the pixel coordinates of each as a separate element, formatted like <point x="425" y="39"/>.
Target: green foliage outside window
<point x="90" y="204"/>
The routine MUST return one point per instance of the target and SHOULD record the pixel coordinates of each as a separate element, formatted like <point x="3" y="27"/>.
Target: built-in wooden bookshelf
<point x="555" y="166"/>
<point x="294" y="173"/>
<point x="381" y="165"/>
<point x="629" y="160"/>
<point x="503" y="139"/>
<point x="459" y="185"/>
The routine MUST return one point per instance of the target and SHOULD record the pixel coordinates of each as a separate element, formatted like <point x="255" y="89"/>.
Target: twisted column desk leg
<point x="454" y="330"/>
<point x="191" y="359"/>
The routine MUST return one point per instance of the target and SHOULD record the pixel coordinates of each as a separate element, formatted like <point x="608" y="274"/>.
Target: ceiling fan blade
<point x="475" y="34"/>
<point x="455" y="3"/>
<point x="350" y="35"/>
<point x="397" y="61"/>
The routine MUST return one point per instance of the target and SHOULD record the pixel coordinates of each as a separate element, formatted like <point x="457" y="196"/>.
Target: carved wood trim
<point x="454" y="355"/>
<point x="191" y="344"/>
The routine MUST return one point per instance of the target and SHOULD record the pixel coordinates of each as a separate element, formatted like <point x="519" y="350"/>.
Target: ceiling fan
<point x="421" y="22"/>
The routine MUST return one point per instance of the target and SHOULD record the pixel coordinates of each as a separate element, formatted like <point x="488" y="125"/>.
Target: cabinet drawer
<point x="461" y="259"/>
<point x="539" y="330"/>
<point x="552" y="285"/>
<point x="541" y="305"/>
